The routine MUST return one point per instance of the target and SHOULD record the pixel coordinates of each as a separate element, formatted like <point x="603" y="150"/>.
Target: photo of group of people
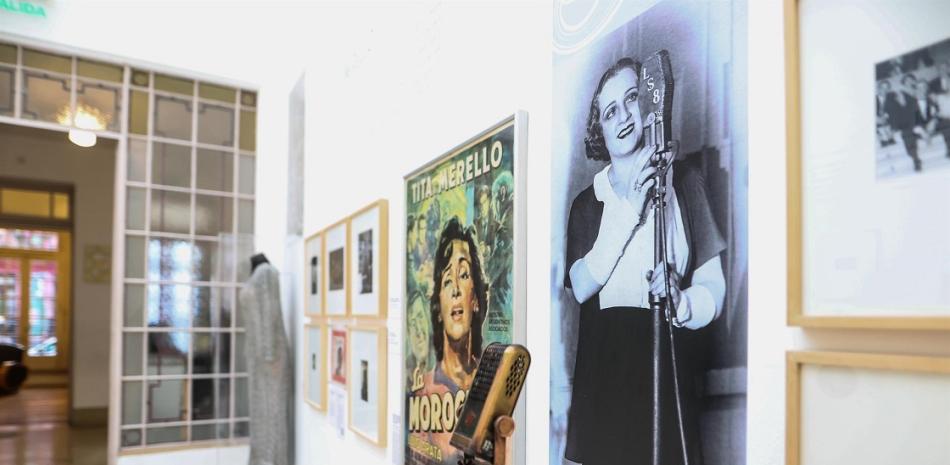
<point x="912" y="111"/>
<point x="459" y="278"/>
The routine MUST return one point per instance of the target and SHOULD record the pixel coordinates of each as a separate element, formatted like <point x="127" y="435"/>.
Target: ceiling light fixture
<point x="86" y="120"/>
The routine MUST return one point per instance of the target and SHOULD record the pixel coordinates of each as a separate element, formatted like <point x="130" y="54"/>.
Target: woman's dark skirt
<point x="611" y="416"/>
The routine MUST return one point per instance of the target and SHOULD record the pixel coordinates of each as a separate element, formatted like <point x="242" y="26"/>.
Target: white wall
<point x="41" y="155"/>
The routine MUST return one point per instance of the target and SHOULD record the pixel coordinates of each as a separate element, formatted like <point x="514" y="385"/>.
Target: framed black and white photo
<point x="315" y="373"/>
<point x="649" y="233"/>
<point x="869" y="152"/>
<point x="336" y="302"/>
<point x="313" y="275"/>
<point x="369" y="256"/>
<point x="367" y="365"/>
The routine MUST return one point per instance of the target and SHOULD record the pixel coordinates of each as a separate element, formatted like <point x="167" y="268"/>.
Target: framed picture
<point x="313" y="275"/>
<point x="336" y="237"/>
<point x="338" y="355"/>
<point x="465" y="252"/>
<point x="836" y="401"/>
<point x="869" y="181"/>
<point x="315" y="386"/>
<point x="367" y="387"/>
<point x="658" y="85"/>
<point x="369" y="256"/>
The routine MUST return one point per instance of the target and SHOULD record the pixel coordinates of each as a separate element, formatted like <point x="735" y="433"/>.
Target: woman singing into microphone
<point x="611" y="273"/>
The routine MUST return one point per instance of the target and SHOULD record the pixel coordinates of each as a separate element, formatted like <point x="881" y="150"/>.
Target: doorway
<point x="34" y="299"/>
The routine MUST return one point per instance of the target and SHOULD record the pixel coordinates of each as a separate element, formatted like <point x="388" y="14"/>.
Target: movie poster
<point x="460" y="278"/>
<point x="648" y="95"/>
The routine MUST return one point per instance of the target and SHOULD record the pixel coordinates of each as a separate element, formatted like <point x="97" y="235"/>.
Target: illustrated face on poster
<point x="338" y="356"/>
<point x="672" y="72"/>
<point x="912" y="101"/>
<point x="336" y="269"/>
<point x="459" y="277"/>
<point x="366" y="261"/>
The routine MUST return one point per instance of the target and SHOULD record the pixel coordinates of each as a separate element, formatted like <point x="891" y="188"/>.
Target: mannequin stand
<point x="504" y="429"/>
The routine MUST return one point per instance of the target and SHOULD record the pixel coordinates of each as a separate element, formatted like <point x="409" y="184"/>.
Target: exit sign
<point x="25" y="8"/>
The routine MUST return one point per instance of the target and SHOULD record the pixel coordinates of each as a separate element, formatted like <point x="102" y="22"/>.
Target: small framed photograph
<point x="338" y="355"/>
<point x="369" y="254"/>
<point x="367" y="386"/>
<point x="336" y="282"/>
<point x="315" y="386"/>
<point x="313" y="275"/>
<point x="836" y="402"/>
<point x="880" y="175"/>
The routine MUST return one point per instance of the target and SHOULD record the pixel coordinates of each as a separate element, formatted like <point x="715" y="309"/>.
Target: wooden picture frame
<point x="368" y="236"/>
<point x="797" y="314"/>
<point x="315" y="390"/>
<point x="852" y="364"/>
<point x="336" y="286"/>
<point x="314" y="297"/>
<point x="360" y="354"/>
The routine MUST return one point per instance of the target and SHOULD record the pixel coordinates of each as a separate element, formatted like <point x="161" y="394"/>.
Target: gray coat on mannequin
<point x="269" y="366"/>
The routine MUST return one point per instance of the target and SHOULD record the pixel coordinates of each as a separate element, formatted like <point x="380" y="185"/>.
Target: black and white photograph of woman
<point x="612" y="368"/>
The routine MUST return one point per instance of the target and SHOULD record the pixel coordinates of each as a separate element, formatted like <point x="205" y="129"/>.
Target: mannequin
<point x="269" y="366"/>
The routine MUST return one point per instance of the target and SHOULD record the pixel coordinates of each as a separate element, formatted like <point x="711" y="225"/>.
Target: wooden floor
<point x="34" y="429"/>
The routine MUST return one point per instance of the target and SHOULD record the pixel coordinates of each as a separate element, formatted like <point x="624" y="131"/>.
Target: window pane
<point x="248" y="130"/>
<point x="138" y="112"/>
<point x="165" y="435"/>
<point x="60" y="206"/>
<point x="25" y="203"/>
<point x="203" y="308"/>
<point x="98" y="70"/>
<point x="246" y="183"/>
<point x="212" y="353"/>
<point x="168" y="353"/>
<point x="135" y="209"/>
<point x="207" y="264"/>
<point x="211" y="399"/>
<point x="140" y="78"/>
<point x="131" y="437"/>
<point x="215" y="124"/>
<point x="215" y="170"/>
<point x="46" y="97"/>
<point x="6" y="90"/>
<point x="171" y="211"/>
<point x="131" y="402"/>
<point x="213" y="92"/>
<point x="170" y="260"/>
<point x="134" y="257"/>
<point x="212" y="307"/>
<point x="240" y="398"/>
<point x="166" y="400"/>
<point x="100" y="101"/>
<point x="171" y="164"/>
<point x="246" y="216"/>
<point x="240" y="354"/>
<point x="137" y="159"/>
<point x="8" y="53"/>
<point x="248" y="98"/>
<point x="41" y="338"/>
<point x="132" y="354"/>
<point x="29" y="239"/>
<point x="242" y="429"/>
<point x="134" y="305"/>
<point x="169" y="306"/>
<point x="10" y="278"/>
<point x="174" y="84"/>
<point x="227" y="305"/>
<point x="245" y="248"/>
<point x="48" y="61"/>
<point x="172" y="117"/>
<point x="213" y="215"/>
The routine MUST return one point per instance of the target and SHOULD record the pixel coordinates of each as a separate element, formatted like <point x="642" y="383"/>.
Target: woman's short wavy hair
<point x="594" y="143"/>
<point x="454" y="231"/>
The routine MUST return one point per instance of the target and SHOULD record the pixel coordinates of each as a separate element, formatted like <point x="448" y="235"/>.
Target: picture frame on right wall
<point x="336" y="300"/>
<point x="836" y="400"/>
<point x="314" y="262"/>
<point x="369" y="261"/>
<point x="366" y="389"/>
<point x="868" y="147"/>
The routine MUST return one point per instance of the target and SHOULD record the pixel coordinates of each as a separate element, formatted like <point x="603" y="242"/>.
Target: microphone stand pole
<point x="662" y="309"/>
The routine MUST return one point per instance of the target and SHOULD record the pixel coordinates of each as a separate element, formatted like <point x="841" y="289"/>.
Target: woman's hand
<point x="657" y="279"/>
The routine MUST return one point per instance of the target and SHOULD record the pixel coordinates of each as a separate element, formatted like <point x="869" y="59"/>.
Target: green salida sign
<point x="25" y="8"/>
